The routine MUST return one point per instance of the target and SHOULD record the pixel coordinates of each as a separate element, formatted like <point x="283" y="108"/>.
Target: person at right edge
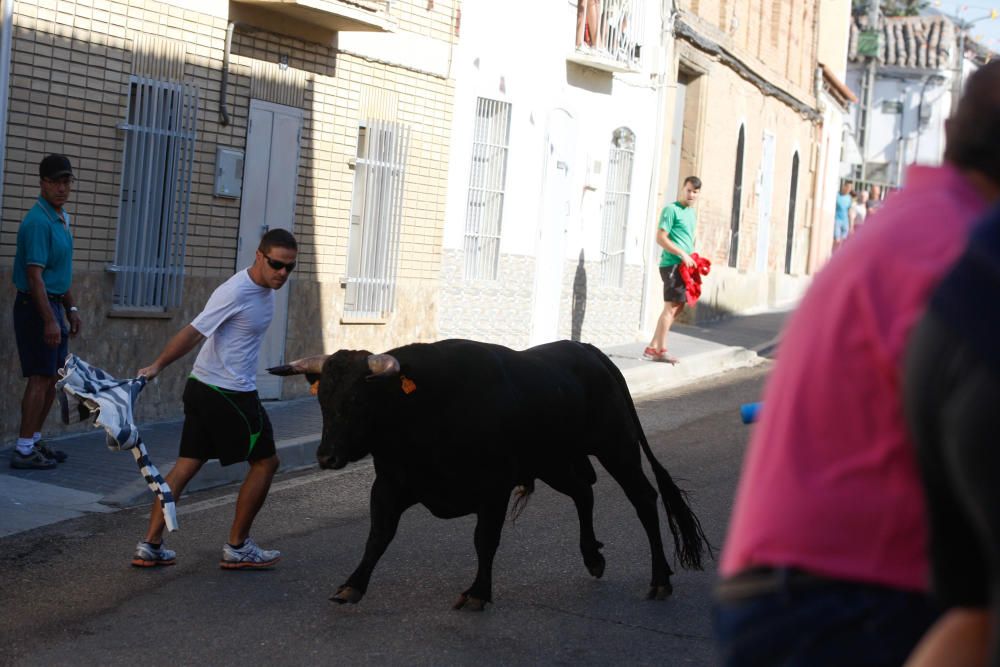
<point x="952" y="392"/>
<point x="825" y="561"/>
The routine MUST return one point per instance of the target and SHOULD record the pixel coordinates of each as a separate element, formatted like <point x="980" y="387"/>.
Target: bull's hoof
<point x="595" y="565"/>
<point x="660" y="592"/>
<point x="347" y="594"/>
<point x="465" y="601"/>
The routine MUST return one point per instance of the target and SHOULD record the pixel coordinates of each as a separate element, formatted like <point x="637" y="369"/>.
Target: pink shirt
<point x="830" y="481"/>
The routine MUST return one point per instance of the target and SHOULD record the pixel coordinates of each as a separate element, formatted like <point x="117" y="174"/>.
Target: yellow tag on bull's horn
<point x="314" y="388"/>
<point x="409" y="386"/>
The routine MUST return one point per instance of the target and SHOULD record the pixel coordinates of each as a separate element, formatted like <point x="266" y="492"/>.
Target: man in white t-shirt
<point x="223" y="416"/>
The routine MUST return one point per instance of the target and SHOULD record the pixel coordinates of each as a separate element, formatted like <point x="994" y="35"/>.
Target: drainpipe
<point x="6" y="38"/>
<point x="223" y="88"/>
<point x="668" y="13"/>
<point x="920" y="120"/>
<point x="817" y="162"/>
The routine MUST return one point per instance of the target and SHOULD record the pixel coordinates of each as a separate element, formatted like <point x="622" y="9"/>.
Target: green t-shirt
<point x="677" y="220"/>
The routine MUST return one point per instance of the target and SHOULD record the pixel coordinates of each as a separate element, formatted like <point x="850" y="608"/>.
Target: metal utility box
<point x="228" y="173"/>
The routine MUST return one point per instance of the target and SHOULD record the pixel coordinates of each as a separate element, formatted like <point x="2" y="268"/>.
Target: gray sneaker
<point x="248" y="556"/>
<point x="146" y="555"/>
<point x="33" y="461"/>
<point x="56" y="455"/>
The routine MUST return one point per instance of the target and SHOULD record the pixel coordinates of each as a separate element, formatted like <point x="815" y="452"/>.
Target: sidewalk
<point x="95" y="479"/>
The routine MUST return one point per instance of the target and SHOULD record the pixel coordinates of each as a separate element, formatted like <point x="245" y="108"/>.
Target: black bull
<point x="457" y="425"/>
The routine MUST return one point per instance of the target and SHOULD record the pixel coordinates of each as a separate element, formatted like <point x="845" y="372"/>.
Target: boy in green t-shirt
<point x="675" y="234"/>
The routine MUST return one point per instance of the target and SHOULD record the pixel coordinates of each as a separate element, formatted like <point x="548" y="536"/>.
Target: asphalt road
<point x="69" y="596"/>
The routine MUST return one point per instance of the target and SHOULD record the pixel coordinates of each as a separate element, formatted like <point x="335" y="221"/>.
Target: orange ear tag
<point x="409" y="386"/>
<point x="314" y="388"/>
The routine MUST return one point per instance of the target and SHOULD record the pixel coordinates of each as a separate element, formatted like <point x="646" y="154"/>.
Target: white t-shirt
<point x="233" y="322"/>
<point x="860" y="211"/>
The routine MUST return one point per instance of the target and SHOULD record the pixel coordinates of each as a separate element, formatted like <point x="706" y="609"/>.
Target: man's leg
<point x="35" y="404"/>
<point x="178" y="477"/>
<point x="675" y="310"/>
<point x="670" y="312"/>
<point x="663" y="323"/>
<point x="251" y="497"/>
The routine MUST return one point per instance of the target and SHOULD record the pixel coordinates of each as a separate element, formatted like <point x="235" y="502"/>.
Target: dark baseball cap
<point x="55" y="166"/>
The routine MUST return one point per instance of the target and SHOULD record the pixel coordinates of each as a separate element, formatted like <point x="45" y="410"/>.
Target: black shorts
<point x="231" y="426"/>
<point x="674" y="289"/>
<point x="37" y="358"/>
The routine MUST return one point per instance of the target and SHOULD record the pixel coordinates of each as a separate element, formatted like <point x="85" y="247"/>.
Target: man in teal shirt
<point x="43" y="274"/>
<point x="675" y="234"/>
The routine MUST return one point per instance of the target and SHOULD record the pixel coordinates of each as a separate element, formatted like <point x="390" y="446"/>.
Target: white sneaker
<point x="146" y="555"/>
<point x="248" y="556"/>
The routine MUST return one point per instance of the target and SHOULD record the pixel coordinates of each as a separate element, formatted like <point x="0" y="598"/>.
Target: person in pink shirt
<point x="825" y="562"/>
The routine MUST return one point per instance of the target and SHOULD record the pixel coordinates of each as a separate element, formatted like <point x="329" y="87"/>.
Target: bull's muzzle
<point x="330" y="462"/>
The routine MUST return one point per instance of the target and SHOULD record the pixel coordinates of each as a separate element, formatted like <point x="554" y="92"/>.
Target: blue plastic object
<point x="748" y="412"/>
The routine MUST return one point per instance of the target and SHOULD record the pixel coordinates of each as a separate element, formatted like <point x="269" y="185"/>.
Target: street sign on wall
<point x="868" y="43"/>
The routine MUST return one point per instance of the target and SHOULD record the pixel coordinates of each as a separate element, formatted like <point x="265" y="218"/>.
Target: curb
<point x="653" y="378"/>
<point x="294" y="454"/>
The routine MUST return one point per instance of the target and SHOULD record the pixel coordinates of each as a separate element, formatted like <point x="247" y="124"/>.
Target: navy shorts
<point x="231" y="426"/>
<point x="37" y="358"/>
<point x="674" y="289"/>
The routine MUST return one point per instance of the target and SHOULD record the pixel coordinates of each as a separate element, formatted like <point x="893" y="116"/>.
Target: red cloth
<point x="692" y="277"/>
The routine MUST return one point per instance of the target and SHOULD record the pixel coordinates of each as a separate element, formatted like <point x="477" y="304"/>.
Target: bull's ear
<point x="382" y="365"/>
<point x="305" y="366"/>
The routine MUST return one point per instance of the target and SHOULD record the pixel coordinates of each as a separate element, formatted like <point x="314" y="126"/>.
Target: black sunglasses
<point x="278" y="266"/>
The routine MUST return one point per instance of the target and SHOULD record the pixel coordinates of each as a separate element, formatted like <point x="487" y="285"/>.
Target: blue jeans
<point x="833" y="623"/>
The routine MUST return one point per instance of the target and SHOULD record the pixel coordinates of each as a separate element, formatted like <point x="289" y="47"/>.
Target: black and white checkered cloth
<point x="111" y="401"/>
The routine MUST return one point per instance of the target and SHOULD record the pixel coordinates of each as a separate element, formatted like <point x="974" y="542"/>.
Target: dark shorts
<point x="674" y="289"/>
<point x="231" y="426"/>
<point x="37" y="358"/>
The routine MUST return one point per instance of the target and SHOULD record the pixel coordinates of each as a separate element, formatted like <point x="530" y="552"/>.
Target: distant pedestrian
<point x="45" y="313"/>
<point x="952" y="394"/>
<point x="859" y="210"/>
<point x="874" y="199"/>
<point x="825" y="561"/>
<point x="223" y="416"/>
<point x="675" y="234"/>
<point x="842" y="215"/>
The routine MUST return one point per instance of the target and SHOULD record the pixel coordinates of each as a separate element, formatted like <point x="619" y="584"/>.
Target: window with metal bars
<point x="487" y="178"/>
<point x="616" y="202"/>
<point x="376" y="219"/>
<point x="155" y="194"/>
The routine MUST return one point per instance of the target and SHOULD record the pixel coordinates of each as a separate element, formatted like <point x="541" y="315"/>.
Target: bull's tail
<point x="690" y="541"/>
<point x="521" y="495"/>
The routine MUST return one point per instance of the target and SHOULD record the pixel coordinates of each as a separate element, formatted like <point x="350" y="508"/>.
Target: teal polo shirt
<point x="44" y="240"/>
<point x="677" y="220"/>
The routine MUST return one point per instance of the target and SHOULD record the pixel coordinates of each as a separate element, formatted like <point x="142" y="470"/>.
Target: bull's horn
<point x="305" y="366"/>
<point x="383" y="364"/>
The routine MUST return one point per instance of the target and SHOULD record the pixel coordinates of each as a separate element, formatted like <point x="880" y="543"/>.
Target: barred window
<point x="488" y="174"/>
<point x="376" y="219"/>
<point x="616" y="202"/>
<point x="155" y="194"/>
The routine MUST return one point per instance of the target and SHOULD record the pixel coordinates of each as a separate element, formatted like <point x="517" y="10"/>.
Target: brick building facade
<point x="80" y="70"/>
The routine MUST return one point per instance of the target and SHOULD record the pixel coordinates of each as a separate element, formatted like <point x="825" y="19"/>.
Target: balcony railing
<point x="609" y="34"/>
